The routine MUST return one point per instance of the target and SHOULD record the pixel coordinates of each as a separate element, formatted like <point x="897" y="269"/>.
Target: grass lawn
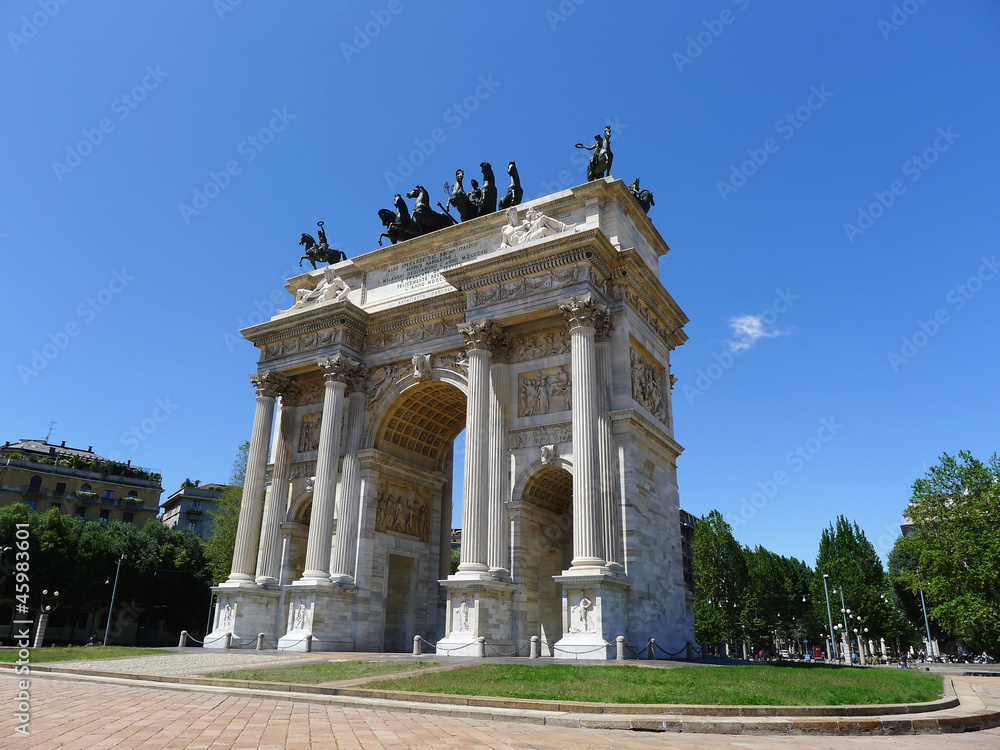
<point x="739" y="685"/>
<point x="79" y="653"/>
<point x="313" y="674"/>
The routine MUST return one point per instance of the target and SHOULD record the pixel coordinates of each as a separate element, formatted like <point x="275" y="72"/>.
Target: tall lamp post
<point x="927" y="625"/>
<point x="829" y="614"/>
<point x="844" y="612"/>
<point x="114" y="591"/>
<point x="43" y="617"/>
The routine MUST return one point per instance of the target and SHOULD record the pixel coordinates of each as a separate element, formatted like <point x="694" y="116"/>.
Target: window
<point x="81" y="511"/>
<point x="192" y="525"/>
<point x="84" y="487"/>
<point x="109" y="494"/>
<point x="128" y="517"/>
<point x="31" y="504"/>
<point x="60" y="488"/>
<point x="105" y="515"/>
<point x="35" y="485"/>
<point x="196" y="505"/>
<point x="133" y="494"/>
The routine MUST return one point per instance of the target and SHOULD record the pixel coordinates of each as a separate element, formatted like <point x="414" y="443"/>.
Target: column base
<point x="477" y="609"/>
<point x="244" y="609"/>
<point x="323" y="611"/>
<point x="595" y="608"/>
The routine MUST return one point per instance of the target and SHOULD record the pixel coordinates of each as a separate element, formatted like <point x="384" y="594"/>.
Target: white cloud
<point x="747" y="329"/>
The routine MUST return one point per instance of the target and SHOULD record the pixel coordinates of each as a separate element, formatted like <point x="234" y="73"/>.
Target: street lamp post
<point x="846" y="633"/>
<point x="829" y="614"/>
<point x="114" y="591"/>
<point x="43" y="616"/>
<point x="927" y="625"/>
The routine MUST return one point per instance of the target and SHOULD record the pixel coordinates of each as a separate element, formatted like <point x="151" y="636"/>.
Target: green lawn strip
<point x="79" y="653"/>
<point x="739" y="685"/>
<point x="313" y="674"/>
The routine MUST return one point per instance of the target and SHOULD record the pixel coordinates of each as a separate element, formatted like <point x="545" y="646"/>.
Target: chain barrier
<point x="501" y="653"/>
<point x="668" y="654"/>
<point x="635" y="652"/>
<point x="457" y="648"/>
<point x="427" y="644"/>
<point x="192" y="638"/>
<point x="578" y="654"/>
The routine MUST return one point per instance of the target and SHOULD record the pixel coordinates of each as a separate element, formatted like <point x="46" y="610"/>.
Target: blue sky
<point x="825" y="174"/>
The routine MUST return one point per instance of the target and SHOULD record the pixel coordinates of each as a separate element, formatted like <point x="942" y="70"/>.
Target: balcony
<point x="93" y="469"/>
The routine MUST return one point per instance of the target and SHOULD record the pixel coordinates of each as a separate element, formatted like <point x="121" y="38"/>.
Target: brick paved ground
<point x="81" y="715"/>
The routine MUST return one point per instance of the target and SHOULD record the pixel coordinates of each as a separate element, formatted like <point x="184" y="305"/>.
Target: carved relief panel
<point x="309" y="432"/>
<point x="582" y="617"/>
<point x="544" y="391"/>
<point x="647" y="385"/>
<point x="404" y="510"/>
<point x="540" y="345"/>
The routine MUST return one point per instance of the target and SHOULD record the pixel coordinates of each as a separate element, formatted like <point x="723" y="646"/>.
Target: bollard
<point x="309" y="642"/>
<point x="690" y="651"/>
<point x="534" y="648"/>
<point x="260" y="641"/>
<point x="652" y="648"/>
<point x="227" y="640"/>
<point x="620" y="646"/>
<point x="184" y="639"/>
<point x="418" y="645"/>
<point x="481" y="647"/>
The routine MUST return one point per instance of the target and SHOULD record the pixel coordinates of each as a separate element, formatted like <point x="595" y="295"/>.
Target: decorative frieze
<point x="544" y="391"/>
<point x="404" y="510"/>
<point x="382" y="379"/>
<point x="303" y="470"/>
<point x="550" y="344"/>
<point x="647" y="385"/>
<point x="313" y="341"/>
<point x="538" y="436"/>
<point x="419" y="332"/>
<point x="528" y="285"/>
<point x="625" y="292"/>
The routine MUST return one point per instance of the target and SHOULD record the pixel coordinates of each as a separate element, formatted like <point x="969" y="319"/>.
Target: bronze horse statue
<point x="458" y="198"/>
<point x="321" y="251"/>
<point x="600" y="162"/>
<point x="644" y="197"/>
<point x="425" y="217"/>
<point x="399" y="227"/>
<point x="514" y="192"/>
<point x="487" y="202"/>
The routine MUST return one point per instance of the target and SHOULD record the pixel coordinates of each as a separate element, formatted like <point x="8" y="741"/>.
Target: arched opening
<point x="412" y="514"/>
<point x="545" y="526"/>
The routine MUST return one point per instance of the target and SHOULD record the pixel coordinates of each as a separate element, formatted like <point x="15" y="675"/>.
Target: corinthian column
<point x="499" y="464"/>
<point x="610" y="506"/>
<point x="588" y="540"/>
<point x="336" y="370"/>
<point x="276" y="503"/>
<point x="248" y="528"/>
<point x="480" y="337"/>
<point x="345" y="543"/>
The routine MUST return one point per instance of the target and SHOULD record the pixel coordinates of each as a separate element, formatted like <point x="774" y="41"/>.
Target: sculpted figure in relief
<point x="300" y="617"/>
<point x="226" y="617"/>
<point x="329" y="288"/>
<point x="462" y="616"/>
<point x="421" y="367"/>
<point x="582" y="619"/>
<point x="535" y="226"/>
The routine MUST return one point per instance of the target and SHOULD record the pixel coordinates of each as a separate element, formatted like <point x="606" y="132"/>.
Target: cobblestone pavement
<point x="81" y="715"/>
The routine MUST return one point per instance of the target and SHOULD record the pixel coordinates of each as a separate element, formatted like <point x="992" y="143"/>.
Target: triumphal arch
<point x="545" y="333"/>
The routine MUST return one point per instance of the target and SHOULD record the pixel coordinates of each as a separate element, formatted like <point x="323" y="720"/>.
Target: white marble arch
<point x="531" y="470"/>
<point x="297" y="506"/>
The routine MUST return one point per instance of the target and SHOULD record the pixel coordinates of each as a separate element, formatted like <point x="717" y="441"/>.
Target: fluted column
<point x="248" y="527"/>
<point x="611" y="519"/>
<point x="343" y="563"/>
<point x="497" y="555"/>
<point x="480" y="337"/>
<point x="319" y="543"/>
<point x="588" y="538"/>
<point x="276" y="502"/>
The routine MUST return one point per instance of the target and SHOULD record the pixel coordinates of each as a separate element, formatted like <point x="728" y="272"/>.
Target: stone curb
<point x="567" y="714"/>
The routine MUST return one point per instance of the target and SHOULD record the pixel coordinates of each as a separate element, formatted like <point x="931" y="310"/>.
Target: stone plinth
<point x="594" y="613"/>
<point x="477" y="609"/>
<point x="323" y="612"/>
<point x="245" y="610"/>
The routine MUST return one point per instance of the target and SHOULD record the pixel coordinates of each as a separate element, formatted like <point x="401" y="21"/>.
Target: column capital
<point x="268" y="383"/>
<point x="358" y="379"/>
<point x="605" y="327"/>
<point x="583" y="311"/>
<point x="338" y="369"/>
<point x="484" y="334"/>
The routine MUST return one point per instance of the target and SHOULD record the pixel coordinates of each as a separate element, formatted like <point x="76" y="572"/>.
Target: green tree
<point x="720" y="575"/>
<point x="955" y="510"/>
<point x="225" y="520"/>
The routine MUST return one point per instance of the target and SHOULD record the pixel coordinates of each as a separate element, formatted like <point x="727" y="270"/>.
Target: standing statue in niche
<point x="600" y="162"/>
<point x="582" y="620"/>
<point x="462" y="616"/>
<point x="514" y="193"/>
<point x="226" y="617"/>
<point x="300" y="617"/>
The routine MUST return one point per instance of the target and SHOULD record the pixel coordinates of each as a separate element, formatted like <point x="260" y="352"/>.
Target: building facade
<point x="191" y="507"/>
<point x="77" y="482"/>
<point x="545" y="333"/>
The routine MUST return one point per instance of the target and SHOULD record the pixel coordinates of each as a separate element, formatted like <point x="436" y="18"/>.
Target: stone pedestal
<point x="593" y="614"/>
<point x="245" y="610"/>
<point x="322" y="611"/>
<point x="478" y="609"/>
